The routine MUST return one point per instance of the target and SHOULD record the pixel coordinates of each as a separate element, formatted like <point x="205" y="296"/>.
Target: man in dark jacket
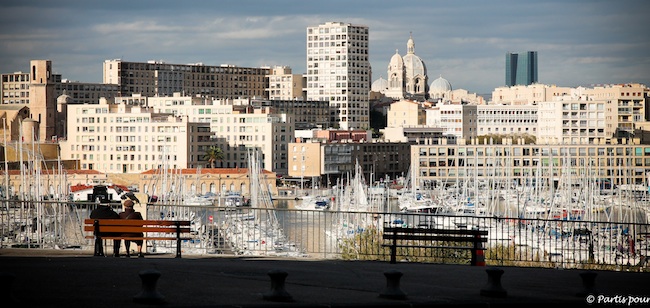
<point x="104" y="211"/>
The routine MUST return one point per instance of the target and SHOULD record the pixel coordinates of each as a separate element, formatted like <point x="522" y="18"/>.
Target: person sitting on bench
<point x="104" y="211"/>
<point x="130" y="213"/>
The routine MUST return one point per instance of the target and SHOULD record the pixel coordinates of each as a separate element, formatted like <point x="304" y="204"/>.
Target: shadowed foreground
<point x="74" y="278"/>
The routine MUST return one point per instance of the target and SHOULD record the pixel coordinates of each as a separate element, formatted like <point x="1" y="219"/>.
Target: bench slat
<point x="425" y="246"/>
<point x="136" y="222"/>
<point x="137" y="238"/>
<point x="444" y="238"/>
<point x="136" y="229"/>
<point x="435" y="231"/>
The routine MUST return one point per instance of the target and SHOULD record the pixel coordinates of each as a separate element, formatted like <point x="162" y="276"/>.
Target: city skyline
<point x="578" y="42"/>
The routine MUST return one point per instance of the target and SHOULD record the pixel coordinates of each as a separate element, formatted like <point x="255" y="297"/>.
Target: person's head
<point x="128" y="203"/>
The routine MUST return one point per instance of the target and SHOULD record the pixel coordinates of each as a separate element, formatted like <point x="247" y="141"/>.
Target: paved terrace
<point x="75" y="278"/>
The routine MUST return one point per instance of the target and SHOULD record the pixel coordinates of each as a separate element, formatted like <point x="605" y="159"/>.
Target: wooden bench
<point x="159" y="230"/>
<point x="433" y="238"/>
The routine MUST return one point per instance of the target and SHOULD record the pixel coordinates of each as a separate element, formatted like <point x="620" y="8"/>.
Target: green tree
<point x="212" y="155"/>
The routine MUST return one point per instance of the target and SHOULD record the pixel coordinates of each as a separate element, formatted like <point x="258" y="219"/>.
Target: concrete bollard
<point x="493" y="287"/>
<point x="588" y="283"/>
<point x="392" y="290"/>
<point x="277" y="293"/>
<point x="149" y="294"/>
<point x="6" y="286"/>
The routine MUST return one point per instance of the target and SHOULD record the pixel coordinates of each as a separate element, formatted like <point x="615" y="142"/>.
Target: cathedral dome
<point x="414" y="66"/>
<point x="64" y="99"/>
<point x="440" y="85"/>
<point x="380" y="85"/>
<point x="396" y="62"/>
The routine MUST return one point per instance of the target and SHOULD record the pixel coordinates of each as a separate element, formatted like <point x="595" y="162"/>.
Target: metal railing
<point x="328" y="234"/>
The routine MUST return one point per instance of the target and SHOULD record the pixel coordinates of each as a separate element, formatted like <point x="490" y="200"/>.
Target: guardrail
<point x="328" y="234"/>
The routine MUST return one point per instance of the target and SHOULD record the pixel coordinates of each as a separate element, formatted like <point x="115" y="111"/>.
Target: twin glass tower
<point x="521" y="68"/>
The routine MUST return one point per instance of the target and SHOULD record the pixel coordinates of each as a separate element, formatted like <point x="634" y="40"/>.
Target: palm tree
<point x="212" y="155"/>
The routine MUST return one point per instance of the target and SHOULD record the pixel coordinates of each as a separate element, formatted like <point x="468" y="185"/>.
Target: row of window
<point x="528" y="151"/>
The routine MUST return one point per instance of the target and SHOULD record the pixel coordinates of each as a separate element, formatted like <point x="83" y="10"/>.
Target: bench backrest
<point x="430" y="234"/>
<point x="137" y="226"/>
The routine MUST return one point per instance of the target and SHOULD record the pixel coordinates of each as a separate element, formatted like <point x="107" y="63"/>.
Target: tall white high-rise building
<point x="338" y="71"/>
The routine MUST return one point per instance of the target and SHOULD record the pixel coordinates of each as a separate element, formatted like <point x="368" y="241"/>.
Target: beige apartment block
<point x="15" y="88"/>
<point x="527" y="95"/>
<point x="406" y="113"/>
<point x="118" y="138"/>
<point x="237" y="127"/>
<point x="515" y="162"/>
<point x="455" y="119"/>
<point x="630" y="99"/>
<point x="576" y="120"/>
<point x="284" y="85"/>
<point x="305" y="160"/>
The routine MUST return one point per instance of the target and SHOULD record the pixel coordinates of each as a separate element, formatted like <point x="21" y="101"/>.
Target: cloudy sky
<point x="578" y="42"/>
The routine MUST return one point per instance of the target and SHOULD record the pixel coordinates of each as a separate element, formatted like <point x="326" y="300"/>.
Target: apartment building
<point x="406" y="113"/>
<point x="338" y="71"/>
<point x="119" y="138"/>
<point x="408" y="122"/>
<point x="527" y="94"/>
<point x="284" y="85"/>
<point x="157" y="78"/>
<point x="15" y="87"/>
<point x="576" y="120"/>
<point x="237" y="126"/>
<point x="455" y="119"/>
<point x="631" y="100"/>
<point x="306" y="114"/>
<point x="513" y="161"/>
<point x="505" y="120"/>
<point x="330" y="161"/>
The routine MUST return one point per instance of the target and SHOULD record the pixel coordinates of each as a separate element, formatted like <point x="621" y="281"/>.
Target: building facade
<point x="521" y="68"/>
<point x="237" y="126"/>
<point x="15" y="87"/>
<point x="118" y="138"/>
<point x="576" y="120"/>
<point x="514" y="162"/>
<point x="527" y="95"/>
<point x="306" y="114"/>
<point x="156" y="78"/>
<point x="284" y="85"/>
<point x="338" y="71"/>
<point x="406" y="113"/>
<point x="335" y="160"/>
<point x="631" y="100"/>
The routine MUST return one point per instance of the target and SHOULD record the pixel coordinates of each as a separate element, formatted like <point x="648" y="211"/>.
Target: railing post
<point x="478" y="255"/>
<point x="393" y="248"/>
<point x="178" y="239"/>
<point x="99" y="248"/>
